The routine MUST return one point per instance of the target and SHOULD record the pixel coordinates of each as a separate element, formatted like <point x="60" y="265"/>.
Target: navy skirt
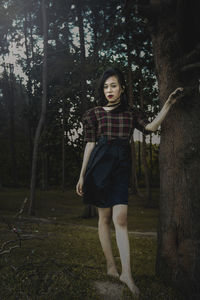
<point x="107" y="176"/>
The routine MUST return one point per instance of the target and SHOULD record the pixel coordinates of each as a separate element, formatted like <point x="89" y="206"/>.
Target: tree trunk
<point x="83" y="91"/>
<point x="178" y="255"/>
<point x="89" y="210"/>
<point x="8" y="86"/>
<point x="29" y="87"/>
<point x="63" y="144"/>
<point x="146" y="172"/>
<point x="134" y="182"/>
<point x="133" y="185"/>
<point x="139" y="159"/>
<point x="144" y="154"/>
<point x="42" y="116"/>
<point x="151" y="157"/>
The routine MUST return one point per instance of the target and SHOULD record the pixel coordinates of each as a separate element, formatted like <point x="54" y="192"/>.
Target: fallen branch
<point x="9" y="250"/>
<point x="22" y="238"/>
<point x="6" y="248"/>
<point x="21" y="208"/>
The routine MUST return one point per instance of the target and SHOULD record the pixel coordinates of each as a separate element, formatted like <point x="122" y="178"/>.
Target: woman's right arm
<point x="88" y="149"/>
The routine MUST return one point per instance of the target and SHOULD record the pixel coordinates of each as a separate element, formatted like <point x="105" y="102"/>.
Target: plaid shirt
<point x="116" y="123"/>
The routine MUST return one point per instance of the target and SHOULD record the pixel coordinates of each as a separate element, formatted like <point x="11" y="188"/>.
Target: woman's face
<point x="112" y="89"/>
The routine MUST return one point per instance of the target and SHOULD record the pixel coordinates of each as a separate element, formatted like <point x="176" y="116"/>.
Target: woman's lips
<point x="110" y="96"/>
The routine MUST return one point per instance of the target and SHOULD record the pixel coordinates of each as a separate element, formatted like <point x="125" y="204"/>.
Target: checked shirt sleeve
<point x="90" y="126"/>
<point x="140" y="121"/>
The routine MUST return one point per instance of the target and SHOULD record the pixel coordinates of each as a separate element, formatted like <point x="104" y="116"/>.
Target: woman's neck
<point x="112" y="104"/>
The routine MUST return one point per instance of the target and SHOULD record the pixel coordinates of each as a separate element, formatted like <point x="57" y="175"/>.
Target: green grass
<point x="67" y="207"/>
<point x="65" y="258"/>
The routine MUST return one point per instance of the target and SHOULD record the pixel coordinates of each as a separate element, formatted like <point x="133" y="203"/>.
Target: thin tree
<point x="134" y="182"/>
<point x="89" y="210"/>
<point x="9" y="94"/>
<point x="43" y="113"/>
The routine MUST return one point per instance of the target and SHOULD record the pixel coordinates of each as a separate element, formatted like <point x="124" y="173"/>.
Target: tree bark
<point x="29" y="87"/>
<point x="151" y="157"/>
<point x="144" y="154"/>
<point x="89" y="210"/>
<point x="178" y="255"/>
<point x="8" y="86"/>
<point x="146" y="172"/>
<point x="42" y="116"/>
<point x="134" y="182"/>
<point x="139" y="159"/>
<point x="83" y="92"/>
<point x="63" y="144"/>
<point x="133" y="185"/>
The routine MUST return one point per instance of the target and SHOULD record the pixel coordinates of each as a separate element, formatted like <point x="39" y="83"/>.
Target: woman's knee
<point x="105" y="216"/>
<point x="120" y="220"/>
<point x="120" y="215"/>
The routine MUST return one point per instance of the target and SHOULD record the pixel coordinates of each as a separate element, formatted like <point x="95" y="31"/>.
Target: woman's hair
<point x="108" y="73"/>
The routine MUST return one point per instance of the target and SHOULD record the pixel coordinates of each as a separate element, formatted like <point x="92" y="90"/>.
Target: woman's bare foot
<point x="112" y="271"/>
<point x="131" y="285"/>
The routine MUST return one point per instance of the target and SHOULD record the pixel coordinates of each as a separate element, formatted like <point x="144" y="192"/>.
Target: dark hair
<point x="108" y="73"/>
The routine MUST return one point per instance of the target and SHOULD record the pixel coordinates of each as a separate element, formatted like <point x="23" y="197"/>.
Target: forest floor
<point x="60" y="256"/>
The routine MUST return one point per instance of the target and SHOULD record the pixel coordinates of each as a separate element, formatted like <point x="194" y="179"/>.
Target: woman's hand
<point x="174" y="95"/>
<point x="79" y="186"/>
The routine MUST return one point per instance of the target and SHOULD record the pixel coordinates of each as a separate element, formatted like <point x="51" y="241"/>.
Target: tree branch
<point x="191" y="67"/>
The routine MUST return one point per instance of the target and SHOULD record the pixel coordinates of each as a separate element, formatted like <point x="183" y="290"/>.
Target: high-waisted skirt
<point x="107" y="175"/>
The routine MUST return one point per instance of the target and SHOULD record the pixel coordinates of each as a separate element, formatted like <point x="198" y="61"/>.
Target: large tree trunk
<point x="42" y="117"/>
<point x="144" y="154"/>
<point x="178" y="256"/>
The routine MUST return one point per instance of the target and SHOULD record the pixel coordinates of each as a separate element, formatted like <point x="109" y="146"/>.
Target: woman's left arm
<point x="153" y="126"/>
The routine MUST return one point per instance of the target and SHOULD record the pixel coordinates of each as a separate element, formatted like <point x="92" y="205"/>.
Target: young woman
<point x="106" y="168"/>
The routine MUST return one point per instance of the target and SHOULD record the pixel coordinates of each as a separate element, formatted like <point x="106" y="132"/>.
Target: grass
<point x="67" y="207"/>
<point x="65" y="258"/>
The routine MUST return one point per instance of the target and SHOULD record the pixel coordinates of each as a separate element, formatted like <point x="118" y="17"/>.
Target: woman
<point x="106" y="167"/>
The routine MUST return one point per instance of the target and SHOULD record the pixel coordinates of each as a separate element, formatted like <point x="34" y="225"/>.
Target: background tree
<point x="43" y="113"/>
<point x="106" y="39"/>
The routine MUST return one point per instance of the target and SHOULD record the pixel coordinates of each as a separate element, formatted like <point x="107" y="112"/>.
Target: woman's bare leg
<point x="120" y="222"/>
<point x="105" y="218"/>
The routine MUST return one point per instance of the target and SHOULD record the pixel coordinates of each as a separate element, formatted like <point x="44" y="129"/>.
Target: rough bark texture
<point x="133" y="183"/>
<point x="144" y="154"/>
<point x="8" y="88"/>
<point x="178" y="256"/>
<point x="146" y="172"/>
<point x="42" y="117"/>
<point x="89" y="210"/>
<point x="83" y="92"/>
